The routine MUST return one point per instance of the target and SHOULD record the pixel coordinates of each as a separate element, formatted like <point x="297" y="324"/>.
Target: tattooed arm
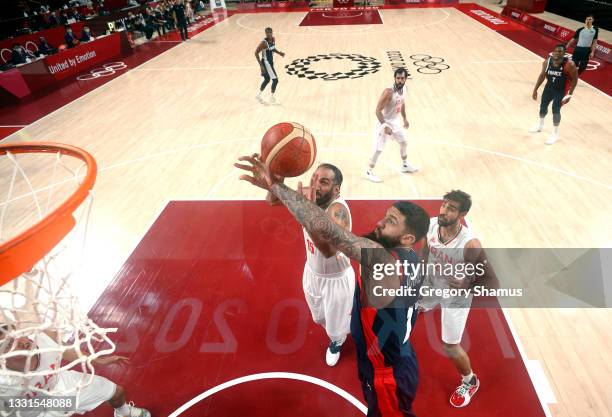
<point x="339" y="215"/>
<point x="318" y="223"/>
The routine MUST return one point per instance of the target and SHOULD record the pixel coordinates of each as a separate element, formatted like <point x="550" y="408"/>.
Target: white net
<point x="43" y="331"/>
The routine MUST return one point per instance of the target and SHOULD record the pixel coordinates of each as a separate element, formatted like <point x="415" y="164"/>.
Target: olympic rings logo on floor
<point x="428" y="64"/>
<point x="105" y="71"/>
<point x="365" y="65"/>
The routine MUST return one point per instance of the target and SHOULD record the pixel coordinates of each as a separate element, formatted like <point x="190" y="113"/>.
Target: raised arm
<point x="318" y="223"/>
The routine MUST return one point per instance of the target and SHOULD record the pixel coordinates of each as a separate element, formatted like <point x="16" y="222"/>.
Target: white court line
<point x="540" y="383"/>
<point x="507" y="61"/>
<point x="496" y="153"/>
<point x="416" y="142"/>
<point x="234" y="172"/>
<point x="105" y="85"/>
<point x="318" y="32"/>
<point x="543" y="386"/>
<point x="271" y="375"/>
<point x="341" y="17"/>
<point x="196" y="68"/>
<point x="13" y="125"/>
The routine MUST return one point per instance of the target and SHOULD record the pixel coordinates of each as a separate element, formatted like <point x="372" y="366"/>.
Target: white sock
<point x="541" y="122"/>
<point x="556" y="130"/>
<point x="468" y="378"/>
<point x="124" y="410"/>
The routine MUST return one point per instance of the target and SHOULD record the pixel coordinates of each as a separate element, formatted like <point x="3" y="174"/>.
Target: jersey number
<point x="310" y="246"/>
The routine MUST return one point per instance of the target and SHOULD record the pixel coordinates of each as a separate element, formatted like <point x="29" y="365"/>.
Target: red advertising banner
<point x="419" y="2"/>
<point x="23" y="80"/>
<point x="271" y="5"/>
<point x="54" y="36"/>
<point x="603" y="50"/>
<point x="75" y="60"/>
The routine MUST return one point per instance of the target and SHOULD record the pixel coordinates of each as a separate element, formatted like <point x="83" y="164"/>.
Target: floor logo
<point x="396" y="60"/>
<point x="428" y="64"/>
<point x="105" y="71"/>
<point x="363" y="65"/>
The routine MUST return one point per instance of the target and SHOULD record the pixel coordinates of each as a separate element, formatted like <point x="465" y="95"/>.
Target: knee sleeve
<point x="556" y="118"/>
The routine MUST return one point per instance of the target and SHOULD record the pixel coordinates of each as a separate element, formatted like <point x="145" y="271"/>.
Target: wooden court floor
<point x="172" y="127"/>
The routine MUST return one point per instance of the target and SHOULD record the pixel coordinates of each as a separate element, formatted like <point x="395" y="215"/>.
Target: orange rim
<point x="20" y="253"/>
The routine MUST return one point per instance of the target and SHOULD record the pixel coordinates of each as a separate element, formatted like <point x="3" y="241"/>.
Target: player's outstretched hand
<point x="107" y="360"/>
<point x="535" y="95"/>
<point x="262" y="177"/>
<point x="309" y="192"/>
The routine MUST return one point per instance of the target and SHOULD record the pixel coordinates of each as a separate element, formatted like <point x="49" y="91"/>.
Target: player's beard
<point x="323" y="200"/>
<point x="446" y="223"/>
<point x="399" y="87"/>
<point x="386" y="242"/>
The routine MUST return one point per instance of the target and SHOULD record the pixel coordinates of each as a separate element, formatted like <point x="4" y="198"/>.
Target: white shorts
<point x="453" y="318"/>
<point x="330" y="299"/>
<point x="380" y="137"/>
<point x="91" y="396"/>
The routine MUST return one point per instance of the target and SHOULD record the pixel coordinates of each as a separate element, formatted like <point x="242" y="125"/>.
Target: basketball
<point x="288" y="149"/>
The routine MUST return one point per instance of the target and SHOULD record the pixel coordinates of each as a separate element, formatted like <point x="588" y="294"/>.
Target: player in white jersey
<point x="63" y="382"/>
<point x="449" y="242"/>
<point x="391" y="105"/>
<point x="328" y="279"/>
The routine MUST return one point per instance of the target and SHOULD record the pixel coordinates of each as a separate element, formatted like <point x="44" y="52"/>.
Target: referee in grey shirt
<point x="586" y="42"/>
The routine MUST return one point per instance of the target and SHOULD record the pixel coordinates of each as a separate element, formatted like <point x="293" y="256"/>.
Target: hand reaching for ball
<point x="262" y="177"/>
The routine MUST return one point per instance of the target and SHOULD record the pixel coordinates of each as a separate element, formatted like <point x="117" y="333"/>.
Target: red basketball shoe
<point x="464" y="393"/>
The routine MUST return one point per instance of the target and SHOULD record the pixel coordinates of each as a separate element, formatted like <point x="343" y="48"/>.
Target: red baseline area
<point x="359" y="16"/>
<point x="213" y="293"/>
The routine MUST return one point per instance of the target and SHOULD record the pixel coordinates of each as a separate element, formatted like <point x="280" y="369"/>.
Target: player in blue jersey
<point x="381" y="321"/>
<point x="265" y="57"/>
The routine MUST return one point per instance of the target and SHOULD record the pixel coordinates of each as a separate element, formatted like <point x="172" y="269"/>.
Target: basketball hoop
<point x="45" y="202"/>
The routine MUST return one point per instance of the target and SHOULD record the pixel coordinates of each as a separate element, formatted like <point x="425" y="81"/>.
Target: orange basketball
<point x="288" y="149"/>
